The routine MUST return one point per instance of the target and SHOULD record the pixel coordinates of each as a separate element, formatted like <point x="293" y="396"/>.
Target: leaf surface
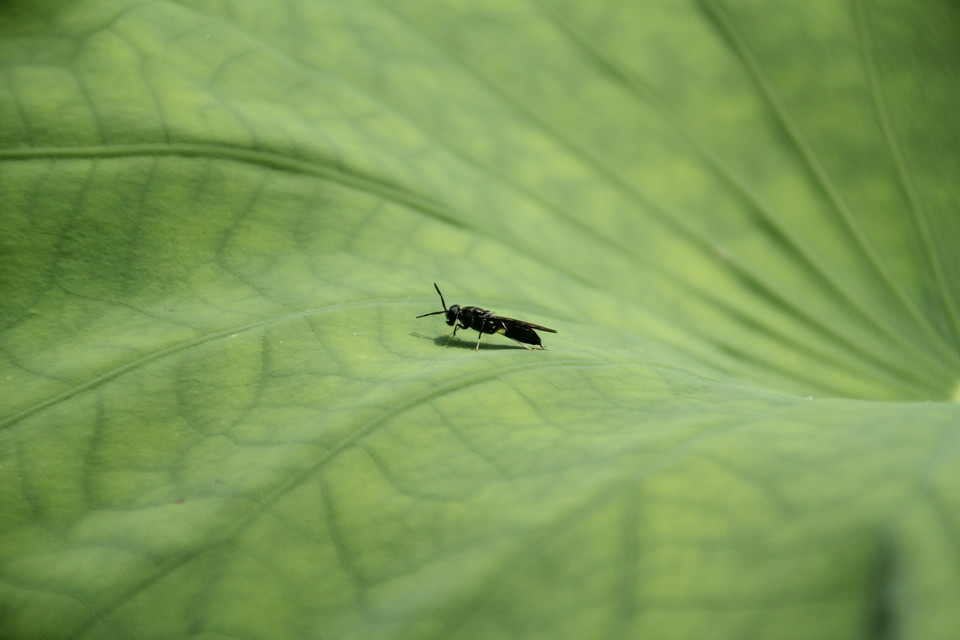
<point x="222" y="418"/>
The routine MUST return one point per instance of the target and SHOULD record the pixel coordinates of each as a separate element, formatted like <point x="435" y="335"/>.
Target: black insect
<point x="484" y="321"/>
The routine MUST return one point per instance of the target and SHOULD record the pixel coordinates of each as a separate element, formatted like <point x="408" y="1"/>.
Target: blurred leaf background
<point x="221" y="419"/>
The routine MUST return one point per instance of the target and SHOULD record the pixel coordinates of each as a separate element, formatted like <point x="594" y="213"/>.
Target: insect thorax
<point x="477" y="319"/>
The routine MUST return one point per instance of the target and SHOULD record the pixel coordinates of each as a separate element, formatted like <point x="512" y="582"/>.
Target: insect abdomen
<point x="521" y="333"/>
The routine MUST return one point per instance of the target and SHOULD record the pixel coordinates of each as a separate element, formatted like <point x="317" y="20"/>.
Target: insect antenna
<point x="444" y="304"/>
<point x="444" y="310"/>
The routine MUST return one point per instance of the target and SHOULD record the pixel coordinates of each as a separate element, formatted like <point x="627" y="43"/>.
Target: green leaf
<point x="221" y="417"/>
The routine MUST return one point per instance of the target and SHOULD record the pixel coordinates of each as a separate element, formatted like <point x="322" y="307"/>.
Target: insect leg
<point x="479" y="335"/>
<point x="525" y="346"/>
<point x="450" y="337"/>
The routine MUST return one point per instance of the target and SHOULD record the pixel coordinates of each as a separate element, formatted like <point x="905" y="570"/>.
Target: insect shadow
<point x="447" y="341"/>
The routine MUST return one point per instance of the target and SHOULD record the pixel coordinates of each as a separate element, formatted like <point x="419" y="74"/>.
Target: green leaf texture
<point x="221" y="419"/>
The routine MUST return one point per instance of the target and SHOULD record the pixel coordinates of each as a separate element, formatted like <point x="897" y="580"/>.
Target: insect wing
<point x="521" y="323"/>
